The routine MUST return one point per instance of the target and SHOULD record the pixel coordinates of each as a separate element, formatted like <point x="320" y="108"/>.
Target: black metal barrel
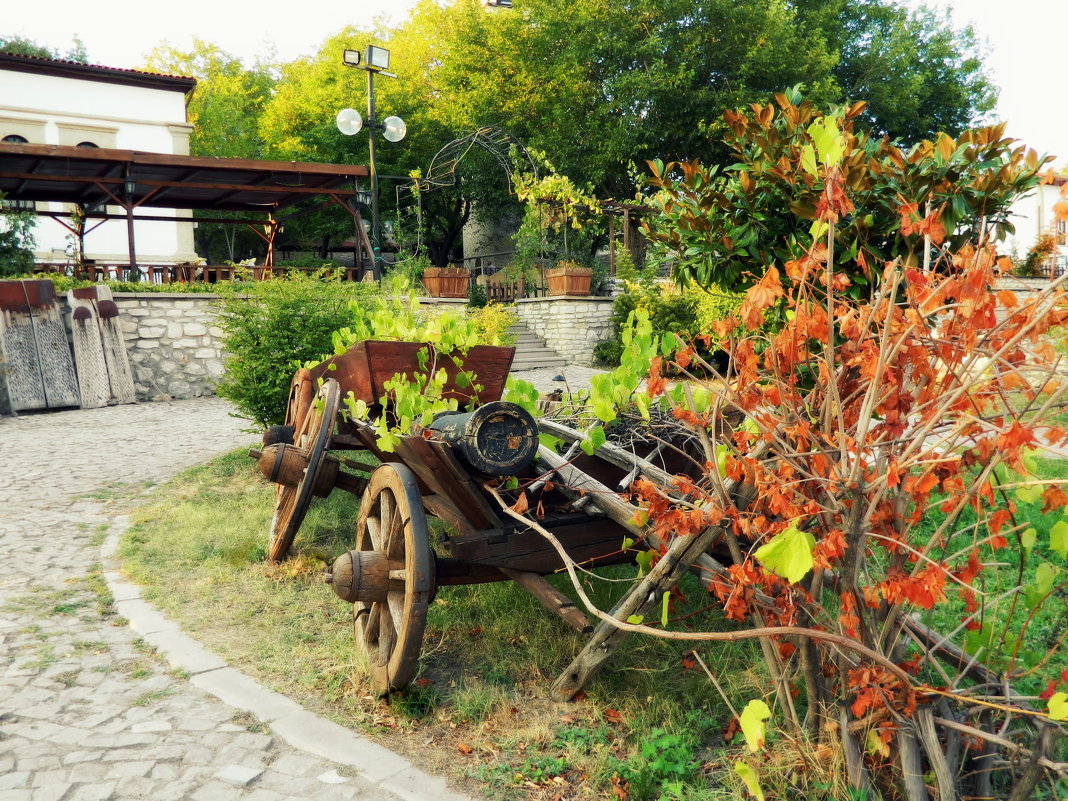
<point x="497" y="438"/>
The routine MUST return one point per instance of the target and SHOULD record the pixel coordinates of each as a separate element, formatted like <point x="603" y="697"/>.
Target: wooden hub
<point x="286" y="464"/>
<point x="365" y="576"/>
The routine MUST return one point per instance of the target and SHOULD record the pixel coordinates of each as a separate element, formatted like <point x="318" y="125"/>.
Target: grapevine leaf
<point x="1058" y="538"/>
<point x="644" y="560"/>
<point x="749" y="779"/>
<point x="635" y="620"/>
<point x="752" y="723"/>
<point x="1028" y="494"/>
<point x="597" y="436"/>
<point x="1028" y="537"/>
<point x="789" y="553"/>
<point x="587" y="446"/>
<point x="1058" y="706"/>
<point x="627" y="542"/>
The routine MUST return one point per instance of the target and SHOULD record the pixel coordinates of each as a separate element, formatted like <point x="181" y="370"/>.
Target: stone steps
<point x="531" y="352"/>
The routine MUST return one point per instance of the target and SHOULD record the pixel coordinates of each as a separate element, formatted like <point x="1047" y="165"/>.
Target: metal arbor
<point x="499" y="144"/>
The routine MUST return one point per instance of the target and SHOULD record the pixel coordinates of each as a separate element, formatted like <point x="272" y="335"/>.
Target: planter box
<point x="446" y="282"/>
<point x="568" y="280"/>
<point x="364" y="368"/>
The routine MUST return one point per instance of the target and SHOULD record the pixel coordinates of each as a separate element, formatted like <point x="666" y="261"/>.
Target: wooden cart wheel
<point x="291" y="503"/>
<point x="392" y="523"/>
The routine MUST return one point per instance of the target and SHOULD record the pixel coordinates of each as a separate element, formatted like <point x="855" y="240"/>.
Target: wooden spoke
<point x="314" y="427"/>
<point x="392" y="522"/>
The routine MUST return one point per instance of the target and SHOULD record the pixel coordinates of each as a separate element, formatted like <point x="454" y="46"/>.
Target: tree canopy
<point x="21" y="46"/>
<point x="598" y="85"/>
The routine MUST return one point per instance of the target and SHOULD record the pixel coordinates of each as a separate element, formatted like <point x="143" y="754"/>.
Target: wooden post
<point x="551" y="598"/>
<point x="642" y="599"/>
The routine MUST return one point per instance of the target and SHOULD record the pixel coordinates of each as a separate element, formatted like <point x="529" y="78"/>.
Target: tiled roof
<point x="95" y="72"/>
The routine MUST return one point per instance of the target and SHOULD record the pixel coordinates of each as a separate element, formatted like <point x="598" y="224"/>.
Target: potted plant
<point x="446" y="282"/>
<point x="568" y="278"/>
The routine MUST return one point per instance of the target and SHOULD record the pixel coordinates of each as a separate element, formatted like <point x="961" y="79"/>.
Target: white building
<point x="49" y="102"/>
<point x="1033" y="216"/>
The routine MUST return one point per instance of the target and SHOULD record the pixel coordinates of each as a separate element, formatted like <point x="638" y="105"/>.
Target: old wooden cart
<point x="451" y="470"/>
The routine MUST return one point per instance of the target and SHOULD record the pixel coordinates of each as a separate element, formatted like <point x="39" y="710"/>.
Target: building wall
<point x="1032" y="215"/>
<point x="570" y="326"/>
<point x="60" y="110"/>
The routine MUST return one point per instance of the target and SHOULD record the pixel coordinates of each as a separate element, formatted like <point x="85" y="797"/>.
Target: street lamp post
<point x="374" y="60"/>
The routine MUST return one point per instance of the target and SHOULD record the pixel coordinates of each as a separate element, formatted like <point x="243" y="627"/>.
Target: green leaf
<point x="664" y="600"/>
<point x="597" y="436"/>
<point x="635" y="620"/>
<point x="1058" y="706"/>
<point x="789" y="553"/>
<point x="749" y="779"/>
<point x="644" y="560"/>
<point x="721" y="459"/>
<point x="1027" y="538"/>
<point x="1028" y="494"/>
<point x="627" y="542"/>
<point x="587" y="446"/>
<point x="808" y="160"/>
<point x="1058" y="538"/>
<point x="1045" y="574"/>
<point x="752" y="723"/>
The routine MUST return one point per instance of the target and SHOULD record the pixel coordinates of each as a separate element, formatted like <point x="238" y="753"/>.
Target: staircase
<point x="531" y="351"/>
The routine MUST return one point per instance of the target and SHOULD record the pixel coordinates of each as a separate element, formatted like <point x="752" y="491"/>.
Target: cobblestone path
<point x="88" y="710"/>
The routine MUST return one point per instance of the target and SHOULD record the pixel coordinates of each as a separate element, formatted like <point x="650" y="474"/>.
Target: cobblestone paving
<point x="88" y="712"/>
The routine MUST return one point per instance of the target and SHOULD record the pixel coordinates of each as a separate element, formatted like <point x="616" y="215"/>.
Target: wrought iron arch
<point x="498" y="143"/>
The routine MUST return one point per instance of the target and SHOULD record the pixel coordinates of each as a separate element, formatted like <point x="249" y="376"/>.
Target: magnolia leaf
<point x="749" y="779"/>
<point x="752" y="723"/>
<point x="789" y="553"/>
<point x="1058" y="538"/>
<point x="1058" y="706"/>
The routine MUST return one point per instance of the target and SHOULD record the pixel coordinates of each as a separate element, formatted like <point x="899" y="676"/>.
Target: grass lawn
<point x="479" y="711"/>
<point x="651" y="721"/>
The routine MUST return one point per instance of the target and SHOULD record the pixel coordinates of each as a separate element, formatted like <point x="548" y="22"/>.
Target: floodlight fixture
<point x="351" y="58"/>
<point x="377" y="57"/>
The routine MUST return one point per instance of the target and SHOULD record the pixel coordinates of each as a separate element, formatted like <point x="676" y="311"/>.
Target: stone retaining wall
<point x="173" y="342"/>
<point x="571" y="326"/>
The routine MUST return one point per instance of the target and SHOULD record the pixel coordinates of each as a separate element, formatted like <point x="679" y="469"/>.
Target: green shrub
<point x="273" y="326"/>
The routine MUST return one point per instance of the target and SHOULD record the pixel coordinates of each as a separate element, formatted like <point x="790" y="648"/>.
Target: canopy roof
<point x="90" y="176"/>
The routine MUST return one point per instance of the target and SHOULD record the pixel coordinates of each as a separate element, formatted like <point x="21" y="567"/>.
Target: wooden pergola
<point x="265" y="194"/>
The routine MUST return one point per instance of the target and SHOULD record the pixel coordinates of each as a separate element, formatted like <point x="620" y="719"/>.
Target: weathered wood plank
<point x="551" y="598"/>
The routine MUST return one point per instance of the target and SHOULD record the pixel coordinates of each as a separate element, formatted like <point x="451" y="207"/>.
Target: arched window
<point x="15" y="139"/>
<point x="87" y="144"/>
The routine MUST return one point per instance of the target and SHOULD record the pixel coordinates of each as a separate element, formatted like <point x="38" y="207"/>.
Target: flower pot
<point x="568" y="280"/>
<point x="446" y="282"/>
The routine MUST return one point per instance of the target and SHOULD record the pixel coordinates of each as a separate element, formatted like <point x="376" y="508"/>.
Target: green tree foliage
<point x="21" y="46"/>
<point x="224" y="109"/>
<point x="916" y="72"/>
<point x="271" y="328"/>
<point x="16" y="242"/>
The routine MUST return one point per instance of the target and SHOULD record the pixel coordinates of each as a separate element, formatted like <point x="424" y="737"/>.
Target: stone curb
<point x="295" y="725"/>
